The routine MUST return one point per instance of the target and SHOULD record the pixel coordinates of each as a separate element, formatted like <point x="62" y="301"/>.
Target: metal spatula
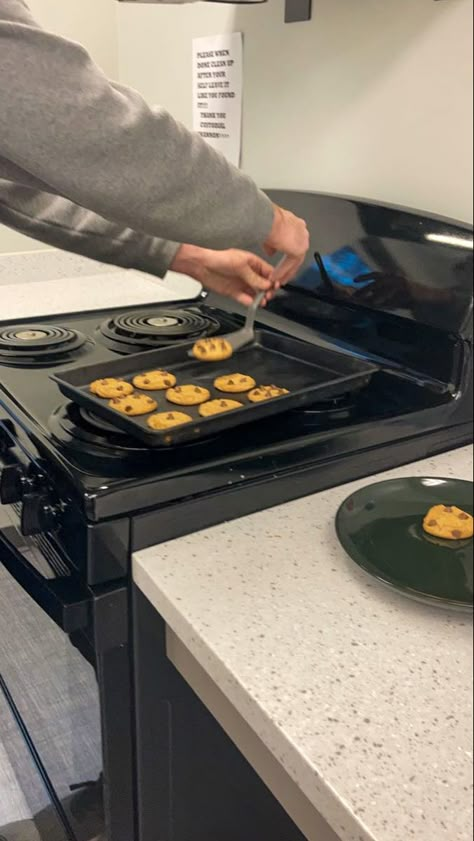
<point x="246" y="335"/>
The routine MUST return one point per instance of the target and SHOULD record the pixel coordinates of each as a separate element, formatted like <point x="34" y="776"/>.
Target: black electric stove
<point x="385" y="283"/>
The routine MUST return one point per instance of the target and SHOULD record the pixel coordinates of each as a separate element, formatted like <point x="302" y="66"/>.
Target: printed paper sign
<point x="217" y="92"/>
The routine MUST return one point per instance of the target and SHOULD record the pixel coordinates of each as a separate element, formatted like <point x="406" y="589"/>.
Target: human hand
<point x="236" y="274"/>
<point x="290" y="236"/>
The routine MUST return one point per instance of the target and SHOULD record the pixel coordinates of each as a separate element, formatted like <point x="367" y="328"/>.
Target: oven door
<point x="49" y="689"/>
<point x="65" y="681"/>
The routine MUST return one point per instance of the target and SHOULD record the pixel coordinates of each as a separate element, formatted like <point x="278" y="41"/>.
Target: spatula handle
<point x="252" y="310"/>
<point x="254" y="306"/>
<point x="281" y="262"/>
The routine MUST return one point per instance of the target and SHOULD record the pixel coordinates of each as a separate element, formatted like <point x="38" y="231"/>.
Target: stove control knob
<point x="38" y="515"/>
<point x="7" y="434"/>
<point x="11" y="484"/>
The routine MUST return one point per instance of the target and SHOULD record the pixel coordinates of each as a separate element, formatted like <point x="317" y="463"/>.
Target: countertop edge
<point x="329" y="804"/>
<point x="333" y="807"/>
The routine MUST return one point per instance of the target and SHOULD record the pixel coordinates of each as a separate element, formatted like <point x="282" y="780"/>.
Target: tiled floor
<point x="13" y="805"/>
<point x="56" y="693"/>
<point x="17" y="822"/>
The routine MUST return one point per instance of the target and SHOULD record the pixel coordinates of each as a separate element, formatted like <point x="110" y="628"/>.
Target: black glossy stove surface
<point x="30" y="352"/>
<point x="103" y="462"/>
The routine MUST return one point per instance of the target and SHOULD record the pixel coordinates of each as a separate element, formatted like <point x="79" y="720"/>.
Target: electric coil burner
<point x="38" y="344"/>
<point x="145" y="330"/>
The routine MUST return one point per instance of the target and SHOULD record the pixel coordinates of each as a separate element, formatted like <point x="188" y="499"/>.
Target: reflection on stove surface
<point x="328" y="413"/>
<point x="27" y="345"/>
<point x="148" y="329"/>
<point x="80" y="429"/>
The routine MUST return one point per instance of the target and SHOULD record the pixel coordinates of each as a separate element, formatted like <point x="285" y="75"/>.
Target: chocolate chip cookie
<point x="216" y="407"/>
<point x="111" y="387"/>
<point x="154" y="380"/>
<point x="166" y="420"/>
<point x="134" y="404"/>
<point x="188" y="395"/>
<point x="212" y="350"/>
<point x="266" y="392"/>
<point x="234" y="383"/>
<point x="449" y="523"/>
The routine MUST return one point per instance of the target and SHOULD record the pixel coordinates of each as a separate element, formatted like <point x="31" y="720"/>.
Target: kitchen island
<point x="353" y="703"/>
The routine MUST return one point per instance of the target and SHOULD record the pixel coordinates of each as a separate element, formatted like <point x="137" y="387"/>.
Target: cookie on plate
<point x="449" y="523"/>
<point x="266" y="392"/>
<point x="154" y="380"/>
<point x="234" y="383"/>
<point x="188" y="395"/>
<point x="212" y="350"/>
<point x="217" y="407"/>
<point x="110" y="387"/>
<point x="134" y="404"/>
<point x="166" y="420"/>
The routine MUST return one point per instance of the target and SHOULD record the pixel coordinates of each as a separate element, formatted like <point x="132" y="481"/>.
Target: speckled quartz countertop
<point x="42" y="283"/>
<point x="363" y="696"/>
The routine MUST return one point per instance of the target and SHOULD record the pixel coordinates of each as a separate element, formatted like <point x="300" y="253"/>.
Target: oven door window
<point x="51" y="693"/>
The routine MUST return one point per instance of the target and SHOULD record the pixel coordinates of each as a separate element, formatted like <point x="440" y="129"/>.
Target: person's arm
<point x="63" y="224"/>
<point x="99" y="145"/>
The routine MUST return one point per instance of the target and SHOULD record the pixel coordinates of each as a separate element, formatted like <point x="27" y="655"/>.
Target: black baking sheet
<point x="310" y="372"/>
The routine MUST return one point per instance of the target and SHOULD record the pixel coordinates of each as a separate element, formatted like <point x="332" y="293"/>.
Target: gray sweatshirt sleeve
<point x="100" y="146"/>
<point x="62" y="224"/>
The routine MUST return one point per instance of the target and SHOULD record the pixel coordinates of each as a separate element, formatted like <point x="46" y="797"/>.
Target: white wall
<point x="372" y="98"/>
<point x="93" y="23"/>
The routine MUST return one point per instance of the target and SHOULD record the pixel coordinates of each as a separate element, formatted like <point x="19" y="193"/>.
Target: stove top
<point x="390" y="285"/>
<point x="103" y="464"/>
<point x="100" y="495"/>
<point x="30" y="352"/>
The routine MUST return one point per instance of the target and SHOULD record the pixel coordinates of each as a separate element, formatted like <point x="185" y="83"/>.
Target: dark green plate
<point x="381" y="528"/>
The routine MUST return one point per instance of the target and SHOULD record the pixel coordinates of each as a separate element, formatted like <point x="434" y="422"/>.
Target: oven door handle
<point x="64" y="600"/>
